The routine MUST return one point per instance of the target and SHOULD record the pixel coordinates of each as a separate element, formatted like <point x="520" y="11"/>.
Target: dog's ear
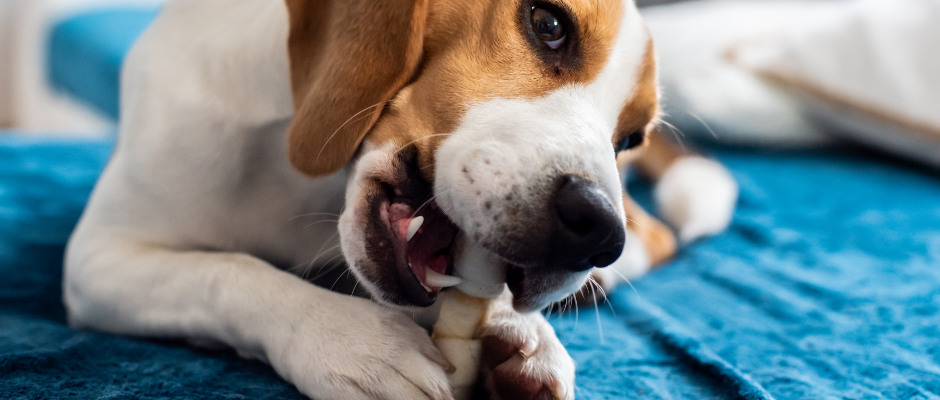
<point x="347" y="59"/>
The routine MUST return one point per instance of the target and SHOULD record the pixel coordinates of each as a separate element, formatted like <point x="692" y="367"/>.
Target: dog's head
<point x="497" y="121"/>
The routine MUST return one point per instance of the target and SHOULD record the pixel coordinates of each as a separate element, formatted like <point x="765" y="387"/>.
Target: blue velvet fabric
<point x="827" y="285"/>
<point x="86" y="51"/>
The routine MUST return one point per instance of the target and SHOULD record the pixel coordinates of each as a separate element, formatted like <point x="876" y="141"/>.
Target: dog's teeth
<point x="427" y="288"/>
<point x="414" y="225"/>
<point x="435" y="279"/>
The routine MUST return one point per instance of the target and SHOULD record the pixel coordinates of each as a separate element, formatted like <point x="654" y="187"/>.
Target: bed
<point x="826" y="285"/>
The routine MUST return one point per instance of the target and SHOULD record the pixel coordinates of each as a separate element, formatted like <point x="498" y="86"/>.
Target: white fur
<point x="200" y="189"/>
<point x="697" y="196"/>
<point x="509" y="146"/>
<point x="548" y="362"/>
<point x="513" y="142"/>
<point x="199" y="200"/>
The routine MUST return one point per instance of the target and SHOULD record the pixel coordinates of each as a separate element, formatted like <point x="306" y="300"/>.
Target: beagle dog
<point x="262" y="139"/>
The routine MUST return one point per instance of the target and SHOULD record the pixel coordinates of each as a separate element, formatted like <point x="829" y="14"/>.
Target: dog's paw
<point x="697" y="196"/>
<point x="369" y="353"/>
<point x="523" y="359"/>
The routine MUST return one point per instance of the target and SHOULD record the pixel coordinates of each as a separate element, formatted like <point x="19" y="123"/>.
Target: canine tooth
<point x="414" y="225"/>
<point x="435" y="279"/>
<point x="427" y="288"/>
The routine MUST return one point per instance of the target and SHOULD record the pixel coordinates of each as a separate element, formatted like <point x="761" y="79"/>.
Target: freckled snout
<point x="588" y="231"/>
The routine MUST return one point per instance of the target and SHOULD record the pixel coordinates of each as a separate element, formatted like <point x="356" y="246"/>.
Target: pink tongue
<point x="438" y="264"/>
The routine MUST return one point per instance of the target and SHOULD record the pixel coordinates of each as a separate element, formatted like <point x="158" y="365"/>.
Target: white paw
<point x="523" y="358"/>
<point x="368" y="352"/>
<point x="697" y="196"/>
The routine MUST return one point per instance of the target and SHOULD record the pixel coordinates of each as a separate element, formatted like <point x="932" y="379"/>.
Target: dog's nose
<point x="589" y="233"/>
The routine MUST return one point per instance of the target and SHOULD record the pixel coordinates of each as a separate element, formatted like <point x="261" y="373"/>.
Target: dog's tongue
<point x="428" y="235"/>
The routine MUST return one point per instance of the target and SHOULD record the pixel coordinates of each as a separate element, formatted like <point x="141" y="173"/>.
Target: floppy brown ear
<point x="347" y="59"/>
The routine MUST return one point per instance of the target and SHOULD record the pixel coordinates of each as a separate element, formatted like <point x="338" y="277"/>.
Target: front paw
<point x="367" y="352"/>
<point x="523" y="359"/>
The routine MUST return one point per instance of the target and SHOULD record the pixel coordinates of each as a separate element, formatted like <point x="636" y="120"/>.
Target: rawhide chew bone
<point x="463" y="311"/>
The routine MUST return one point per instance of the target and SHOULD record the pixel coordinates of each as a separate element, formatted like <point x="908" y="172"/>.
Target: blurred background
<point x="777" y="73"/>
<point x="825" y="286"/>
<point x="59" y="61"/>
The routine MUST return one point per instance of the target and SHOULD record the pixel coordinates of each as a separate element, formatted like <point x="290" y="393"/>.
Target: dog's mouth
<point x="412" y="239"/>
<point x="411" y="244"/>
<point x="424" y="238"/>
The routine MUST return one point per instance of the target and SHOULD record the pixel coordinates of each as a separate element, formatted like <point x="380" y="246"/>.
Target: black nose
<point x="589" y="233"/>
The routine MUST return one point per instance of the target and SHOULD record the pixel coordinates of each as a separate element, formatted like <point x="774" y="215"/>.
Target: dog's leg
<point x="522" y="357"/>
<point x="329" y="345"/>
<point x="694" y="194"/>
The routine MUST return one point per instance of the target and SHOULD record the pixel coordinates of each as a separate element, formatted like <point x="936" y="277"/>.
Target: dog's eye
<point x="548" y="27"/>
<point x="633" y="140"/>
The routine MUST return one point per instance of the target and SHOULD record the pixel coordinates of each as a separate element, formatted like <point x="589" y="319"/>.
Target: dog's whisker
<point x="338" y="278"/>
<point x="325" y="269"/>
<point x="322" y="269"/>
<point x="705" y="124"/>
<point x="576" y="314"/>
<point x="335" y="221"/>
<point x="404" y="146"/>
<point x="592" y="282"/>
<point x="322" y="250"/>
<point x="677" y="134"/>
<point x="312" y="215"/>
<point x="344" y="125"/>
<point x="597" y="312"/>
<point x="329" y="266"/>
<point x="310" y="264"/>
<point x="353" y="291"/>
<point x="425" y="204"/>
<point x="628" y="283"/>
<point x="417" y="210"/>
<point x="634" y="221"/>
<point x="671" y="127"/>
<point x="574" y="330"/>
<point x="604" y="293"/>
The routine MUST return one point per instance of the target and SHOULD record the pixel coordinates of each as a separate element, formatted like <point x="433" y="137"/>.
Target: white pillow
<point x="708" y="97"/>
<point x="870" y="72"/>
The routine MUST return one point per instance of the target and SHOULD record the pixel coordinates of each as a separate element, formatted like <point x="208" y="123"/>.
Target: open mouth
<point x="422" y="238"/>
<point x="427" y="237"/>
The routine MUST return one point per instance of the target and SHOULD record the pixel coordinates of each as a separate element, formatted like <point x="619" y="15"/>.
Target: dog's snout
<point x="588" y="232"/>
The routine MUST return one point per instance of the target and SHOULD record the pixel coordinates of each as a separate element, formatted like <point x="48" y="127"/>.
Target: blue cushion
<point x="827" y="285"/>
<point x="86" y="52"/>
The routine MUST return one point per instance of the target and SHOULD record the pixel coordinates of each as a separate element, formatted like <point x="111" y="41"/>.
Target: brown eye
<point x="548" y="27"/>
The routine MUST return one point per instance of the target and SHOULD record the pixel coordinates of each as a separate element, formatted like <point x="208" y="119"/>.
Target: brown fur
<point x="657" y="237"/>
<point x="347" y="59"/>
<point x="652" y="160"/>
<point x="351" y="54"/>
<point x="658" y="156"/>
<point x="642" y="109"/>
<point x="469" y="51"/>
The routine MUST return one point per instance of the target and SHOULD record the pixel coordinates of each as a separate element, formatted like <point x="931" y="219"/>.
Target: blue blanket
<point x="85" y="53"/>
<point x="827" y="285"/>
